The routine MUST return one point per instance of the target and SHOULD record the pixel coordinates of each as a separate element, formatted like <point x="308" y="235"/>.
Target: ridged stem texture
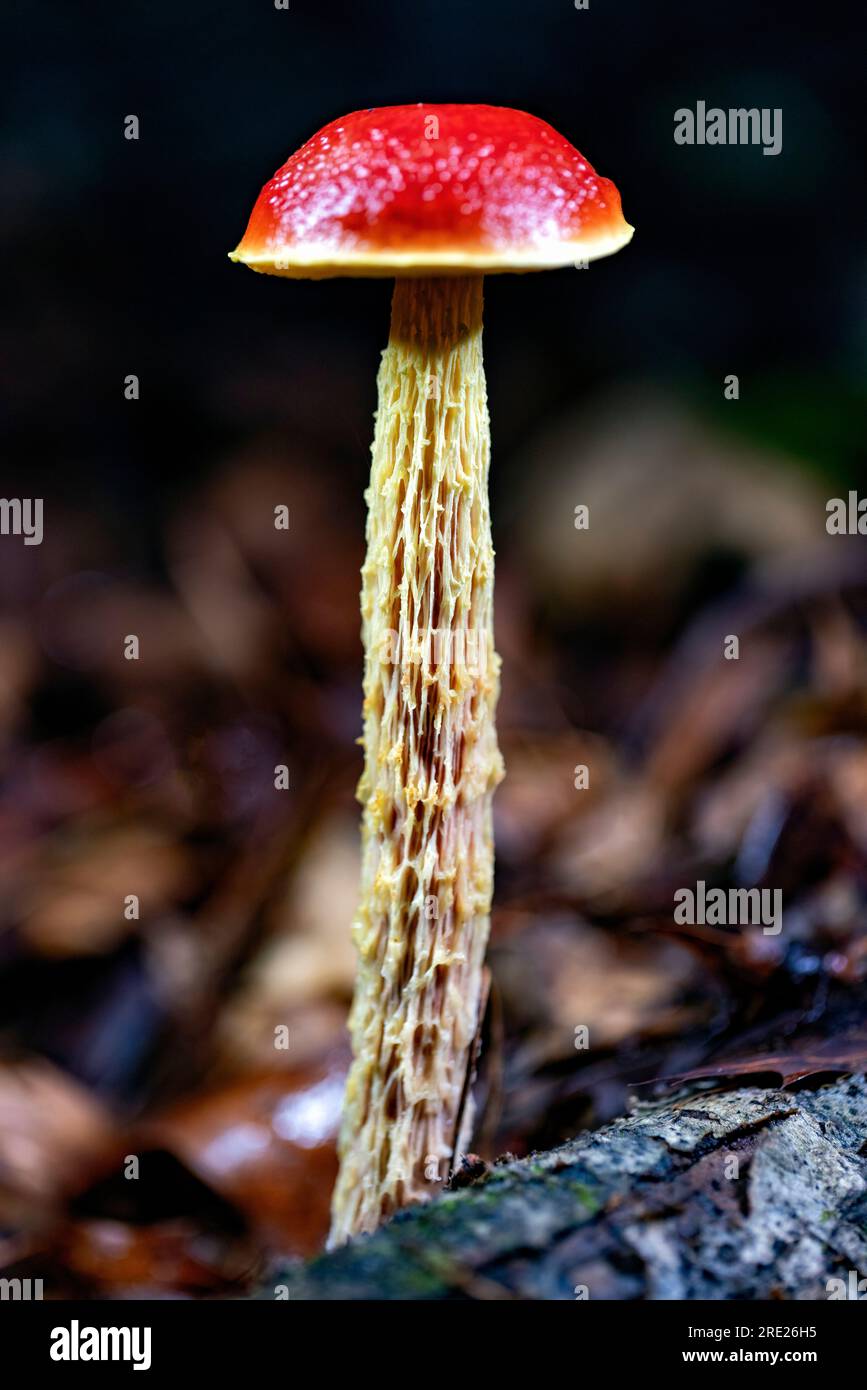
<point x="431" y="760"/>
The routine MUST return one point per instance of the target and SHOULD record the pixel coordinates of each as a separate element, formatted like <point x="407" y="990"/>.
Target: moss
<point x="590" y="1198"/>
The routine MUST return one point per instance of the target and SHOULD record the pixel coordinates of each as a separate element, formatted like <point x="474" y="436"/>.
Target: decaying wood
<point x="749" y="1194"/>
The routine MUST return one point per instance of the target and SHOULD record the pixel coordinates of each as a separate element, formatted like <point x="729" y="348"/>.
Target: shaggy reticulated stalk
<point x="431" y="761"/>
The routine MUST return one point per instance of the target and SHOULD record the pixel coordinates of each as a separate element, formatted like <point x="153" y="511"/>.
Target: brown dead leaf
<point x="309" y="959"/>
<point x="605" y="853"/>
<point x="808" y="1057"/>
<point x="53" y="1134"/>
<point x="268" y="1144"/>
<point x="556" y="976"/>
<point x="165" y="1257"/>
<point x="539" y="796"/>
<point x="75" y="905"/>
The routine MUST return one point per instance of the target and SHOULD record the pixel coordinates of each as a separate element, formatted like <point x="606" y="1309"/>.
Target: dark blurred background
<point x="155" y="1035"/>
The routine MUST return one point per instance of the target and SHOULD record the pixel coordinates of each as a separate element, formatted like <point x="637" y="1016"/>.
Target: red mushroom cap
<point x="432" y="190"/>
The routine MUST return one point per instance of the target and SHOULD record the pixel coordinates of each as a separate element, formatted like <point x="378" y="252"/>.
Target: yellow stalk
<point x="431" y="761"/>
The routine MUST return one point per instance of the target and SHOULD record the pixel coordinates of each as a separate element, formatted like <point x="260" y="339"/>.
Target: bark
<point x="749" y="1194"/>
<point x="431" y="758"/>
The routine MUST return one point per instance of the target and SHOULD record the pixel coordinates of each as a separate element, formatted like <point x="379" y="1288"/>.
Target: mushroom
<point x="435" y="196"/>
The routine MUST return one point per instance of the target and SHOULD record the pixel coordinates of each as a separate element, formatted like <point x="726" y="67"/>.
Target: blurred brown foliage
<point x="159" y="1036"/>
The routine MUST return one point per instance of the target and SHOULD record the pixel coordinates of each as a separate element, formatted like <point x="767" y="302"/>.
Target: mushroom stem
<point x="431" y="760"/>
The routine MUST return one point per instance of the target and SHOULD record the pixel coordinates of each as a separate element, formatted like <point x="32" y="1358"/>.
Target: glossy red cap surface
<point x="432" y="190"/>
